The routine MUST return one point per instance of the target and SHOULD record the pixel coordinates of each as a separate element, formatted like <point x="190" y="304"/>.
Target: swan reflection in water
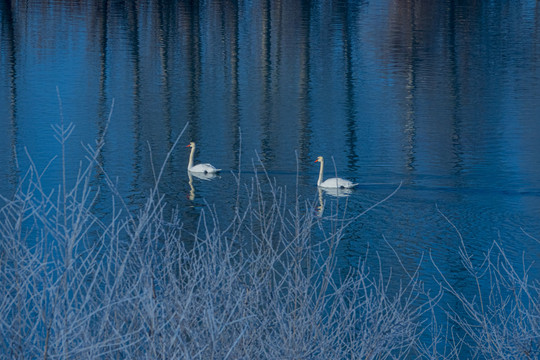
<point x="202" y="176"/>
<point x="320" y="208"/>
<point x="335" y="192"/>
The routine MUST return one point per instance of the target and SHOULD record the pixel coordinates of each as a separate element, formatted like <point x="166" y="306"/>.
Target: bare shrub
<point x="132" y="285"/>
<point x="502" y="320"/>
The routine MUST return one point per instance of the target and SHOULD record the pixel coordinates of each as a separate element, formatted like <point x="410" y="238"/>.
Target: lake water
<point x="442" y="97"/>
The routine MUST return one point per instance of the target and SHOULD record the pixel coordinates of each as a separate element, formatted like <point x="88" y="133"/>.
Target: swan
<point x="333" y="183"/>
<point x="199" y="168"/>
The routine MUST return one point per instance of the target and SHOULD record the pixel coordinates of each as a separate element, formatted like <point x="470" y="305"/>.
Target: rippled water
<point x="443" y="97"/>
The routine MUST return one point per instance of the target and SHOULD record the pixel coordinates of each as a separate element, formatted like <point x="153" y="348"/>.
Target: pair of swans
<point x="333" y="183"/>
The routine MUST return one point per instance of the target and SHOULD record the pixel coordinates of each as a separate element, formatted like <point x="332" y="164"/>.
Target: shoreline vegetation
<point x="74" y="285"/>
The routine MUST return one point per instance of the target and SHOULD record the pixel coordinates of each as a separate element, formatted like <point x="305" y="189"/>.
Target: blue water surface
<point x="440" y="97"/>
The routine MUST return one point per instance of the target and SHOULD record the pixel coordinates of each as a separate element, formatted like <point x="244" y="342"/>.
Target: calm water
<point x="441" y="96"/>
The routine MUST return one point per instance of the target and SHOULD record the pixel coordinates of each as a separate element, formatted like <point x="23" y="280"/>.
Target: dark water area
<point x="442" y="97"/>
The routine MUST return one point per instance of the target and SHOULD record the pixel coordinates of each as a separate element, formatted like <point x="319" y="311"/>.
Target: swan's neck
<point x="319" y="182"/>
<point x="190" y="163"/>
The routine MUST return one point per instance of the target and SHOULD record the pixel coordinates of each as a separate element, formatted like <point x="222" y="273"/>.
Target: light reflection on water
<point x="443" y="98"/>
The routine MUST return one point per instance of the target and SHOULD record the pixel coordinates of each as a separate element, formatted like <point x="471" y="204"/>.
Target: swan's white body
<point x="332" y="183"/>
<point x="206" y="176"/>
<point x="199" y="168"/>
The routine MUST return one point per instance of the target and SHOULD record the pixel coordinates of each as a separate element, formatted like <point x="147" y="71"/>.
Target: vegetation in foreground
<point x="77" y="286"/>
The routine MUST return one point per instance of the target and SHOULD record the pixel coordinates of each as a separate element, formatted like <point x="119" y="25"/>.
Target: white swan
<point x="333" y="183"/>
<point x="199" y="168"/>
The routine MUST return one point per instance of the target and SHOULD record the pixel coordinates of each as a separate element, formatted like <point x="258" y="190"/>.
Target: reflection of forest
<point x="457" y="65"/>
<point x="428" y="81"/>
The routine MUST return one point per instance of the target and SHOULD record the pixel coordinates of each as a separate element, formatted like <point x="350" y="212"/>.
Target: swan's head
<point x="319" y="159"/>
<point x="191" y="145"/>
